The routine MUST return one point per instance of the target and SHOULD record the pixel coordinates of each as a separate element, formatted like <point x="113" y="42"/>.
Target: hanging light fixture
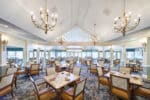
<point x="124" y="24"/>
<point x="47" y="22"/>
<point x="93" y="36"/>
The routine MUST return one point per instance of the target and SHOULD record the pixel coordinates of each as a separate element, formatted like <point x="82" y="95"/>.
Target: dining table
<point x="134" y="79"/>
<point x="59" y="80"/>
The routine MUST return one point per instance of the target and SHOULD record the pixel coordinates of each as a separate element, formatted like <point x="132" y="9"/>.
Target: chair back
<point x="119" y="82"/>
<point x="8" y="65"/>
<point x="11" y="70"/>
<point x="36" y="90"/>
<point x="100" y="71"/>
<point x="76" y="70"/>
<point x="125" y="70"/>
<point x="93" y="66"/>
<point x="57" y="63"/>
<point x="6" y="81"/>
<point x="79" y="88"/>
<point x="50" y="71"/>
<point x="101" y="63"/>
<point x="88" y="62"/>
<point x="35" y="67"/>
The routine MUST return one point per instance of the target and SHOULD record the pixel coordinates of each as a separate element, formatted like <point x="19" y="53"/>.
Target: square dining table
<point x="133" y="78"/>
<point x="60" y="80"/>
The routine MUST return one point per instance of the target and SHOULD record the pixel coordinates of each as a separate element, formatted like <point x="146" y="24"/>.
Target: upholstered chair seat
<point x="68" y="94"/>
<point x="6" y="84"/>
<point x="104" y="81"/>
<point x="21" y="71"/>
<point x="120" y="93"/>
<point x="93" y="68"/>
<point x="141" y="91"/>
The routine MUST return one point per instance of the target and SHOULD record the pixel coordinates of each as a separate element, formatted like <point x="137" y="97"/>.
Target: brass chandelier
<point x="46" y="22"/>
<point x="124" y="24"/>
<point x="94" y="37"/>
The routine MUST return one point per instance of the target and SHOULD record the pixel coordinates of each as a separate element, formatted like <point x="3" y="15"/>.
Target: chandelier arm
<point x="131" y="27"/>
<point x="40" y="26"/>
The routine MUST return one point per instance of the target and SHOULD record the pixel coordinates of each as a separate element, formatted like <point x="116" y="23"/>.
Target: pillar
<point x="103" y="52"/>
<point x="25" y="60"/>
<point x="44" y="60"/>
<point x="3" y="51"/>
<point x="38" y="55"/>
<point x="111" y="57"/>
<point x="124" y="55"/>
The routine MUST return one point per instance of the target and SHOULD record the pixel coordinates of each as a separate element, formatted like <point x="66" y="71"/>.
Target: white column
<point x="124" y="55"/>
<point x="25" y="58"/>
<point x="48" y="54"/>
<point x="103" y="52"/>
<point x="3" y="50"/>
<point x="4" y="53"/>
<point x="38" y="55"/>
<point x="44" y="60"/>
<point x="111" y="57"/>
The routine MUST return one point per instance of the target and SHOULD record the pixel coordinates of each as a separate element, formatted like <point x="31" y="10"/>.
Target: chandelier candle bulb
<point x="31" y="13"/>
<point x="41" y="9"/>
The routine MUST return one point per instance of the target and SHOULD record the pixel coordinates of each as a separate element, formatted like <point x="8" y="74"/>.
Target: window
<point x="107" y="54"/>
<point x="95" y="54"/>
<point x="101" y="54"/>
<point x="15" y="55"/>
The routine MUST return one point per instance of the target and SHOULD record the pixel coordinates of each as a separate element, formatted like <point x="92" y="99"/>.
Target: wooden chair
<point x="50" y="71"/>
<point x="88" y="64"/>
<point x="119" y="86"/>
<point x="6" y="84"/>
<point x="101" y="63"/>
<point x="57" y="66"/>
<point x="143" y="92"/>
<point x="125" y="70"/>
<point x="20" y="71"/>
<point x="43" y="94"/>
<point x="93" y="69"/>
<point x="71" y="66"/>
<point x="76" y="70"/>
<point x="101" y="79"/>
<point x="13" y="70"/>
<point x="75" y="93"/>
<point x="34" y="69"/>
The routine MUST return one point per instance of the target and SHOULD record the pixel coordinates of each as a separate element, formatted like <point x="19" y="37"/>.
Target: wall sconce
<point x="4" y="42"/>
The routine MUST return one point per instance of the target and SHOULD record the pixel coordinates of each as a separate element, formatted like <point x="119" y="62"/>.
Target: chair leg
<point x="16" y="84"/>
<point x="12" y="94"/>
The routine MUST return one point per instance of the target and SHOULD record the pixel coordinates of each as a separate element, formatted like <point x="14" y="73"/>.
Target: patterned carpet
<point x="24" y="89"/>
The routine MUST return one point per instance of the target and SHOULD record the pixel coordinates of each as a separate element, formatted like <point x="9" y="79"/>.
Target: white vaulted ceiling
<point x="74" y="16"/>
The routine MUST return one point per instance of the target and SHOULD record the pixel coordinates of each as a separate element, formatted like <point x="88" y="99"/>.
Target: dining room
<point x="74" y="50"/>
